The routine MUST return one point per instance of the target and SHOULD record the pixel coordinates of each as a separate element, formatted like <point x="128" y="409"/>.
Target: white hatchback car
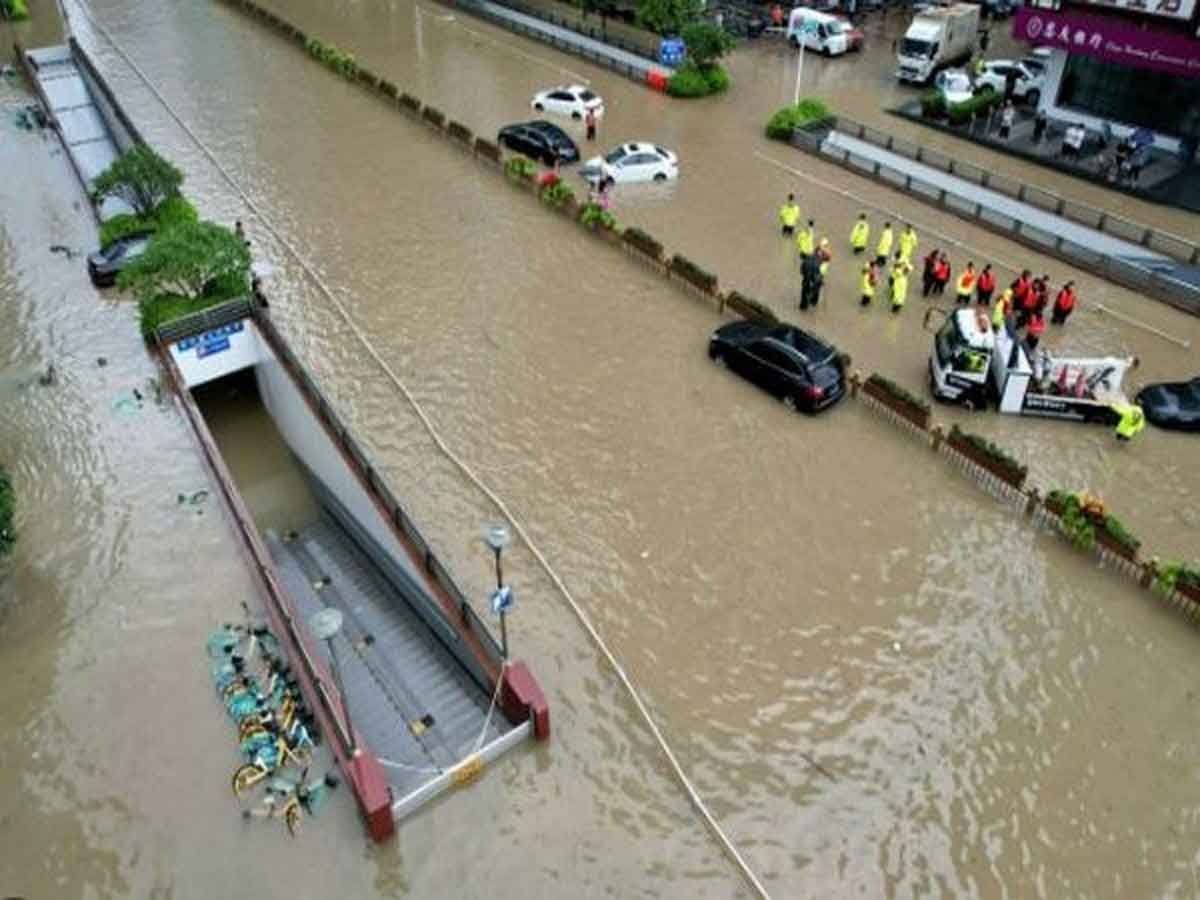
<point x="572" y="100"/>
<point x="1027" y="83"/>
<point x="635" y="161"/>
<point x="954" y="85"/>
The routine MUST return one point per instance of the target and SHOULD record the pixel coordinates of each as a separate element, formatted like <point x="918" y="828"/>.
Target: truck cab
<point x="963" y="350"/>
<point x="936" y="38"/>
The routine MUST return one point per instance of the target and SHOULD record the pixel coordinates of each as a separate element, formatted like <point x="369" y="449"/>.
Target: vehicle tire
<point x="660" y="177"/>
<point x="1032" y="97"/>
<point x="291" y="817"/>
<point x="246" y="777"/>
<point x="790" y="402"/>
<point x="576" y="116"/>
<point x="795" y="42"/>
<point x="539" y="107"/>
<point x="986" y="88"/>
<point x="719" y="360"/>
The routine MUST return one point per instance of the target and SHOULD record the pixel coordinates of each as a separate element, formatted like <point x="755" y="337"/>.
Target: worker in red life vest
<point x="1041" y="294"/>
<point x="1021" y="289"/>
<point x="966" y="284"/>
<point x="1037" y="325"/>
<point x="929" y="275"/>
<point x="942" y="274"/>
<point x="985" y="285"/>
<point x="1064" y="304"/>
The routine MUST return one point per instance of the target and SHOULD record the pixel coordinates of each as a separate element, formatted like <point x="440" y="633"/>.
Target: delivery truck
<point x="978" y="366"/>
<point x="936" y="38"/>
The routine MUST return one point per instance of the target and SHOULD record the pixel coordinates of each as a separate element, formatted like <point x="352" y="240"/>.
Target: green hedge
<point x="520" y="168"/>
<point x="8" y="510"/>
<point x="998" y="455"/>
<point x="173" y="211"/>
<point x="557" y="194"/>
<point x="692" y="273"/>
<point x="749" y="308"/>
<point x="338" y="60"/>
<point x="1080" y="526"/>
<point x="593" y="215"/>
<point x="961" y="113"/>
<point x="785" y="121"/>
<point x="644" y="242"/>
<point x="690" y="80"/>
<point x="1178" y="574"/>
<point x="898" y="392"/>
<point x="933" y="104"/>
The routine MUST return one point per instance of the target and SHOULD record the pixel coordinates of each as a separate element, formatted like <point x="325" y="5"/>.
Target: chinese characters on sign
<point x="1175" y="9"/>
<point x="1112" y="40"/>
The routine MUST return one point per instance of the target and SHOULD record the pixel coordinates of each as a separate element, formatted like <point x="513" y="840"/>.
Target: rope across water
<point x="697" y="802"/>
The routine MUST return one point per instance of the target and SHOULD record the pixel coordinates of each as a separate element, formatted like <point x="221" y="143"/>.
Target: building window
<point x="1165" y="103"/>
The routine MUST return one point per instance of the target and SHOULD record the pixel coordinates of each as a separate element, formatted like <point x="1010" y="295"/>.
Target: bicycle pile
<point x="276" y="731"/>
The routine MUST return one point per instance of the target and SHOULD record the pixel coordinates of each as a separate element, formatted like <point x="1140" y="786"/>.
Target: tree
<point x="706" y="43"/>
<point x="141" y="178"/>
<point x="190" y="260"/>
<point x="668" y="16"/>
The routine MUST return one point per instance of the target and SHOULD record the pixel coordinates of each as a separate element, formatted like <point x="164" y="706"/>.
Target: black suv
<point x="539" y="140"/>
<point x="799" y="368"/>
<point x="105" y="265"/>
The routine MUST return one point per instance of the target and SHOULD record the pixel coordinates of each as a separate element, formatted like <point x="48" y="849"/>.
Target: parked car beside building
<point x="105" y="265"/>
<point x="1027" y="83"/>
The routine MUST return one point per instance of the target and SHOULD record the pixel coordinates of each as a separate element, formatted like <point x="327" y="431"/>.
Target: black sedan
<point x="105" y="265"/>
<point x="798" y="367"/>
<point x="539" y="140"/>
<point x="1174" y="405"/>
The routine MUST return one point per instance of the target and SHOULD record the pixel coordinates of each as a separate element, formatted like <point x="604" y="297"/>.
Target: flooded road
<point x="884" y="683"/>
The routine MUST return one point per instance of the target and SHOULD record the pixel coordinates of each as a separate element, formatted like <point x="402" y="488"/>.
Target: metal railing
<point x="1156" y="285"/>
<point x="1177" y="248"/>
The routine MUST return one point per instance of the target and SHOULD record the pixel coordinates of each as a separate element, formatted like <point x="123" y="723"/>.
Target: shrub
<point x="644" y="242"/>
<point x="667" y="16"/>
<point x="434" y="116"/>
<point x="484" y="147"/>
<point x="692" y="273"/>
<point x="409" y="102"/>
<point x="933" y="104"/>
<point x="749" y="308"/>
<point x="890" y="387"/>
<point x="8" y="510"/>
<point x="959" y="113"/>
<point x="14" y="10"/>
<point x="190" y="260"/>
<point x="706" y="43"/>
<point x="459" y="132"/>
<point x="1178" y="574"/>
<point x="690" y="80"/>
<point x="386" y="87"/>
<point x="173" y="211"/>
<point x="341" y="62"/>
<point x="593" y="216"/>
<point x="140" y="177"/>
<point x="1079" y="529"/>
<point x="785" y="121"/>
<point x="520" y="168"/>
<point x="1000" y="456"/>
<point x="1116" y="530"/>
<point x="557" y="194"/>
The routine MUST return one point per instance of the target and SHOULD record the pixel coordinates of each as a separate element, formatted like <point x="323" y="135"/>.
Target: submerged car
<point x="799" y="368"/>
<point x="106" y="264"/>
<point x="540" y="140"/>
<point x="954" y="85"/>
<point x="1174" y="405"/>
<point x="635" y="161"/>
<point x="572" y="100"/>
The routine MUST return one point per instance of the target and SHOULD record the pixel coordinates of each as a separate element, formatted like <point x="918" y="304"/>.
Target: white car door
<point x="638" y="167"/>
<point x="561" y="102"/>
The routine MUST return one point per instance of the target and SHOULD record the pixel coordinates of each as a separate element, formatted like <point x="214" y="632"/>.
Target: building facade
<point x="1127" y="63"/>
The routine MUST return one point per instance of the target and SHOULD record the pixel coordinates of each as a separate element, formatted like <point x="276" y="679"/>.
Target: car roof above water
<point x="809" y="346"/>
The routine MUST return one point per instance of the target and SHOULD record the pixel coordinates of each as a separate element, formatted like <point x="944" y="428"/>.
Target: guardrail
<point x="596" y="34"/>
<point x="1177" y="248"/>
<point x="1180" y="294"/>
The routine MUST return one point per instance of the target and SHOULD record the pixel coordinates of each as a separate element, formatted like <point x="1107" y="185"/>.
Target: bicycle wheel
<point x="246" y="777"/>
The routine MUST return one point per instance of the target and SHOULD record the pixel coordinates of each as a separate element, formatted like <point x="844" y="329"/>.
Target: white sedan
<point x="635" y="161"/>
<point x="572" y="100"/>
<point x="1027" y="83"/>
<point x="954" y="85"/>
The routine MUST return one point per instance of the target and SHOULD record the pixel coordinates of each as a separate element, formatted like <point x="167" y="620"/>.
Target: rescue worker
<point x="804" y="241"/>
<point x="1064" y="304"/>
<point x="867" y="284"/>
<point x="810" y="281"/>
<point x="929" y="275"/>
<point x="908" y="243"/>
<point x="985" y="285"/>
<point x="1022" y="288"/>
<point x="1132" y="420"/>
<point x="941" y="274"/>
<point x="1033" y="335"/>
<point x="966" y="285"/>
<point x="789" y="216"/>
<point x="884" y="248"/>
<point x="823" y="255"/>
<point x="1002" y="309"/>
<point x="860" y="234"/>
<point x="900" y="286"/>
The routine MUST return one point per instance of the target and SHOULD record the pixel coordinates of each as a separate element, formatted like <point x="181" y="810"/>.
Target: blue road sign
<point x="503" y="600"/>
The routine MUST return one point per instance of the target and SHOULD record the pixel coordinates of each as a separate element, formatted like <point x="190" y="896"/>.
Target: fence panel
<point x="1082" y="213"/>
<point x="1041" y="199"/>
<point x="1124" y="229"/>
<point x="1037" y="235"/>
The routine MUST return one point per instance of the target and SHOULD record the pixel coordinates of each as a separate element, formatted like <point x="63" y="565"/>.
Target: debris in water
<point x="807" y="757"/>
<point x="101" y="361"/>
<point x="49" y="377"/>
<point x="193" y="499"/>
<point x="65" y="251"/>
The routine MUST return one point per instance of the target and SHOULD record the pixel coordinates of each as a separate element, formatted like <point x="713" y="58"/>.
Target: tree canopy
<point x="141" y="178"/>
<point x="706" y="43"/>
<point x="668" y="16"/>
<point x="190" y="260"/>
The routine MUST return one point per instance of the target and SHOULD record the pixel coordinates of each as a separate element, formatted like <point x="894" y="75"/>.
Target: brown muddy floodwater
<point x="883" y="682"/>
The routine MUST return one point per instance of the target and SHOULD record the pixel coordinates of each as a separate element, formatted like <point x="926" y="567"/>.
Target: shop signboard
<point x="1174" y="9"/>
<point x="1112" y="40"/>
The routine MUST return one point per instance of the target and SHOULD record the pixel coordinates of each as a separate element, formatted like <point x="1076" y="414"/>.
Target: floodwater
<point x="883" y="682"/>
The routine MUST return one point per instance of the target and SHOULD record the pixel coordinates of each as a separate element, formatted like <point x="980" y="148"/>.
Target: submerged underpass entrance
<point x="413" y="687"/>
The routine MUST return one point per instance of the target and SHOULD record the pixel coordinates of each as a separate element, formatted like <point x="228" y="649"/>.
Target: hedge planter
<point x="693" y="274"/>
<point x="1085" y="522"/>
<point x="410" y="103"/>
<point x="750" y="309"/>
<point x="1111" y="544"/>
<point x="460" y="132"/>
<point x="987" y="457"/>
<point x="644" y="243"/>
<point x="1191" y="591"/>
<point x="368" y="78"/>
<point x="434" y="116"/>
<point x="388" y="89"/>
<point x="897" y="400"/>
<point x="486" y="149"/>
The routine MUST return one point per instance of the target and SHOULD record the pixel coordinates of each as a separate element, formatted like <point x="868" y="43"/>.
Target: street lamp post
<point x="502" y="599"/>
<point x="325" y="626"/>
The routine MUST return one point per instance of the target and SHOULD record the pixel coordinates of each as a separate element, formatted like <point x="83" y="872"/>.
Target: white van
<point x="819" y="31"/>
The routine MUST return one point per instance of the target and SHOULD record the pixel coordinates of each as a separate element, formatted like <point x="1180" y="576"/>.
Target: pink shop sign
<point x="1111" y="40"/>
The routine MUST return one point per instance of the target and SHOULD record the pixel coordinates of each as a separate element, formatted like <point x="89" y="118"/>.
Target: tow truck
<point x="976" y="365"/>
